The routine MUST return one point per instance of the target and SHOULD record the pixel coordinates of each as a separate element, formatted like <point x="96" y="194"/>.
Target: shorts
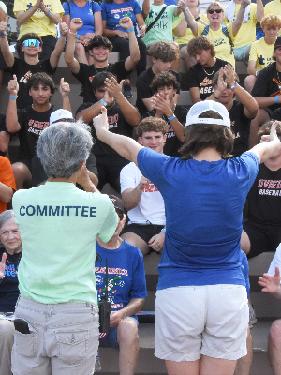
<point x="242" y="53"/>
<point x="263" y="238"/>
<point x="145" y="231"/>
<point x="210" y="320"/>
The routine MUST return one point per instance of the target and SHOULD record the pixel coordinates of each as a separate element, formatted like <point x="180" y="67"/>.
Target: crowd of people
<point x="198" y="182"/>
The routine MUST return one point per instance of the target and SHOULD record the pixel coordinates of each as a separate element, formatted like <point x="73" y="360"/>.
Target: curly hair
<point x="25" y="37"/>
<point x="151" y="124"/>
<point x="165" y="79"/>
<point x="165" y="51"/>
<point x="42" y="78"/>
<point x="271" y="21"/>
<point x="199" y="44"/>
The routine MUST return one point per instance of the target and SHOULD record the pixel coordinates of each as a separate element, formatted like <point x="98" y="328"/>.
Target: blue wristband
<point x="13" y="97"/>
<point x="103" y="102"/>
<point x="171" y="117"/>
<point x="276" y="99"/>
<point x="131" y="29"/>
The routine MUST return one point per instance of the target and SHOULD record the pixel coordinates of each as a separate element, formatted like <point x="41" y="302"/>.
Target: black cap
<point x="277" y="43"/>
<point x="99" y="41"/>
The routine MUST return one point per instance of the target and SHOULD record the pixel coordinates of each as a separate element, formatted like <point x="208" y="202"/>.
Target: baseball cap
<point x="3" y="6"/>
<point x="195" y="111"/>
<point x="277" y="43"/>
<point x="61" y="115"/>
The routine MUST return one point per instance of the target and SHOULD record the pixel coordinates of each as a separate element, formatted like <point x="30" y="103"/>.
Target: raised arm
<point x="59" y="47"/>
<point x="189" y="19"/>
<point x="134" y="56"/>
<point x="54" y="17"/>
<point x="240" y="16"/>
<point x="3" y="265"/>
<point x="124" y="146"/>
<point x="64" y="92"/>
<point x="269" y="148"/>
<point x="180" y="8"/>
<point x="260" y="10"/>
<point x="74" y="25"/>
<point x="12" y="121"/>
<point x="4" y="45"/>
<point x="145" y="8"/>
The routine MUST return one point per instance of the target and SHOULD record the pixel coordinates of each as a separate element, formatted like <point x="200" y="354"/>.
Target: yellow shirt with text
<point x="262" y="53"/>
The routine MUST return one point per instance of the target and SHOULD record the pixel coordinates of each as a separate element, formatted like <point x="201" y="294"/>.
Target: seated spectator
<point x="10" y="253"/>
<point x="126" y="288"/>
<point x="40" y="17"/>
<point x="90" y="14"/>
<point x="247" y="33"/>
<point x="3" y="18"/>
<point x="270" y="283"/>
<point x="242" y="107"/>
<point x="267" y="92"/>
<point x="163" y="55"/>
<point x="142" y="200"/>
<point x="262" y="226"/>
<point x="99" y="49"/>
<point x="115" y="15"/>
<point x="122" y="118"/>
<point x="217" y="32"/>
<point x="165" y="87"/>
<point x="261" y="53"/>
<point x="29" y="47"/>
<point x="159" y="20"/>
<point x="199" y="79"/>
<point x="31" y="121"/>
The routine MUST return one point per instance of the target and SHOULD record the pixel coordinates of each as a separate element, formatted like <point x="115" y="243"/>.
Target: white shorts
<point x="193" y="320"/>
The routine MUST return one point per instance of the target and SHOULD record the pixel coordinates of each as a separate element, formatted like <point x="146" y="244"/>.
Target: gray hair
<point x="62" y="147"/>
<point x="6" y="216"/>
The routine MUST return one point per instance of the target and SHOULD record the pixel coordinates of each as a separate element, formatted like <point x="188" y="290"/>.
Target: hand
<point x="230" y="74"/>
<point x="122" y="34"/>
<point x="116" y="317"/>
<point x="13" y="86"/>
<point x="3" y="27"/>
<point x="63" y="28"/>
<point x="84" y="179"/>
<point x="142" y="29"/>
<point x="182" y="5"/>
<point x="157" y="241"/>
<point x="143" y="182"/>
<point x="3" y="265"/>
<point x="221" y="84"/>
<point x="162" y="105"/>
<point x="113" y="87"/>
<point x="126" y="23"/>
<point x="101" y="121"/>
<point x="39" y="4"/>
<point x="64" y="88"/>
<point x="273" y="134"/>
<point x="75" y="24"/>
<point x="270" y="284"/>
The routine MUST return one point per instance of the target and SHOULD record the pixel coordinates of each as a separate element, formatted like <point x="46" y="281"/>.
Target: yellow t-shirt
<point x="261" y="53"/>
<point x="39" y="23"/>
<point x="221" y="42"/>
<point x="247" y="32"/>
<point x="188" y="33"/>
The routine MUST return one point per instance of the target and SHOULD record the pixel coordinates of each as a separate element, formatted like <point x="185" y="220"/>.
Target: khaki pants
<point x="6" y="342"/>
<point x="63" y="339"/>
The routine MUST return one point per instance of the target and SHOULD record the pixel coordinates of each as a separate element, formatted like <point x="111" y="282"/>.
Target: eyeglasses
<point x="212" y="11"/>
<point x="31" y="43"/>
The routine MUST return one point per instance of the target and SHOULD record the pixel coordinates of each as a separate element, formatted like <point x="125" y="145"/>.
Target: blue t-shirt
<point x="204" y="223"/>
<point x="112" y="13"/>
<point x="245" y="270"/>
<point x="86" y="13"/>
<point x="126" y="277"/>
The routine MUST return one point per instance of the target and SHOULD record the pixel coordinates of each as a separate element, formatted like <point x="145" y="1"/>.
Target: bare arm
<point x="134" y="306"/>
<point x="252" y="67"/>
<point x="260" y="10"/>
<point x="98" y="24"/>
<point x="24" y="16"/>
<point x="12" y="121"/>
<point x="132" y="196"/>
<point x="240" y="16"/>
<point x="4" y="46"/>
<point x="191" y="21"/>
<point x="124" y="146"/>
<point x="6" y="193"/>
<point x="59" y="47"/>
<point x="54" y="17"/>
<point x="4" y="141"/>
<point x="64" y="92"/>
<point x="250" y="104"/>
<point x="195" y="94"/>
<point x="267" y="150"/>
<point x="145" y="8"/>
<point x="179" y="30"/>
<point x="74" y="25"/>
<point x="266" y="101"/>
<point x="134" y="56"/>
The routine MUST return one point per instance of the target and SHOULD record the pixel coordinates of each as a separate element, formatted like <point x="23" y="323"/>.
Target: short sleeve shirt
<point x="86" y="13"/>
<point x="112" y="13"/>
<point x="261" y="53"/>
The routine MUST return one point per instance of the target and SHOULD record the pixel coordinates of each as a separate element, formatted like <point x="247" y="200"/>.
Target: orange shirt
<point x="6" y="177"/>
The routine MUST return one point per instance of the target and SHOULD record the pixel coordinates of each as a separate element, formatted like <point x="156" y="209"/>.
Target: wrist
<point x="276" y="99"/>
<point x="171" y="117"/>
<point x="103" y="102"/>
<point x="234" y="85"/>
<point x="72" y="32"/>
<point x="3" y="34"/>
<point x="13" y="97"/>
<point x="130" y="29"/>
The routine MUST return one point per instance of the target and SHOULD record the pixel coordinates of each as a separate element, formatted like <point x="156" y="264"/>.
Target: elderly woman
<point x="57" y="329"/>
<point x="201" y="263"/>
<point x="10" y="255"/>
<point x="219" y="34"/>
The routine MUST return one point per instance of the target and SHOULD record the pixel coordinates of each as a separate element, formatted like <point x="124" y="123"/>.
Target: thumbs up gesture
<point x="64" y="88"/>
<point x="13" y="86"/>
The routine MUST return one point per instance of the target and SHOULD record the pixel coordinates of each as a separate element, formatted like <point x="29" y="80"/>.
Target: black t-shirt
<point x="32" y="124"/>
<point x="9" y="286"/>
<point x="87" y="73"/>
<point x="201" y="77"/>
<point x="264" y="198"/>
<point x="268" y="83"/>
<point x="144" y="90"/>
<point x="117" y="125"/>
<point x="240" y="127"/>
<point x="172" y="144"/>
<point x="24" y="71"/>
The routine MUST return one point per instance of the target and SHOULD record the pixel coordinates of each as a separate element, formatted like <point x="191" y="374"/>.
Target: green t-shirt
<point x="162" y="30"/>
<point x="59" y="224"/>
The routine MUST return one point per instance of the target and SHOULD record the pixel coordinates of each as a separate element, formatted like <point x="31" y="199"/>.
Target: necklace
<point x="208" y="74"/>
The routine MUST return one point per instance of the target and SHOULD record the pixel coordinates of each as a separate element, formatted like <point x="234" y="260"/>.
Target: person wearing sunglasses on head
<point x="217" y="32"/>
<point x="29" y="48"/>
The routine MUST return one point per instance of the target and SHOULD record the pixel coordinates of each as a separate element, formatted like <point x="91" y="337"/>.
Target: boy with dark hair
<point x="29" y="47"/>
<point x="163" y="55"/>
<point x="122" y="118"/>
<point x="31" y="121"/>
<point x="200" y="76"/>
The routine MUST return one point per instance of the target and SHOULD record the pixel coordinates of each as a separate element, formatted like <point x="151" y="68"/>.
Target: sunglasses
<point x="212" y="11"/>
<point x="31" y="43"/>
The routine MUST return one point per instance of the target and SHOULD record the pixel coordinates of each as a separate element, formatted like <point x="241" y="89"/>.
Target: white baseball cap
<point x="3" y="6"/>
<point x="195" y="111"/>
<point x="61" y="115"/>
